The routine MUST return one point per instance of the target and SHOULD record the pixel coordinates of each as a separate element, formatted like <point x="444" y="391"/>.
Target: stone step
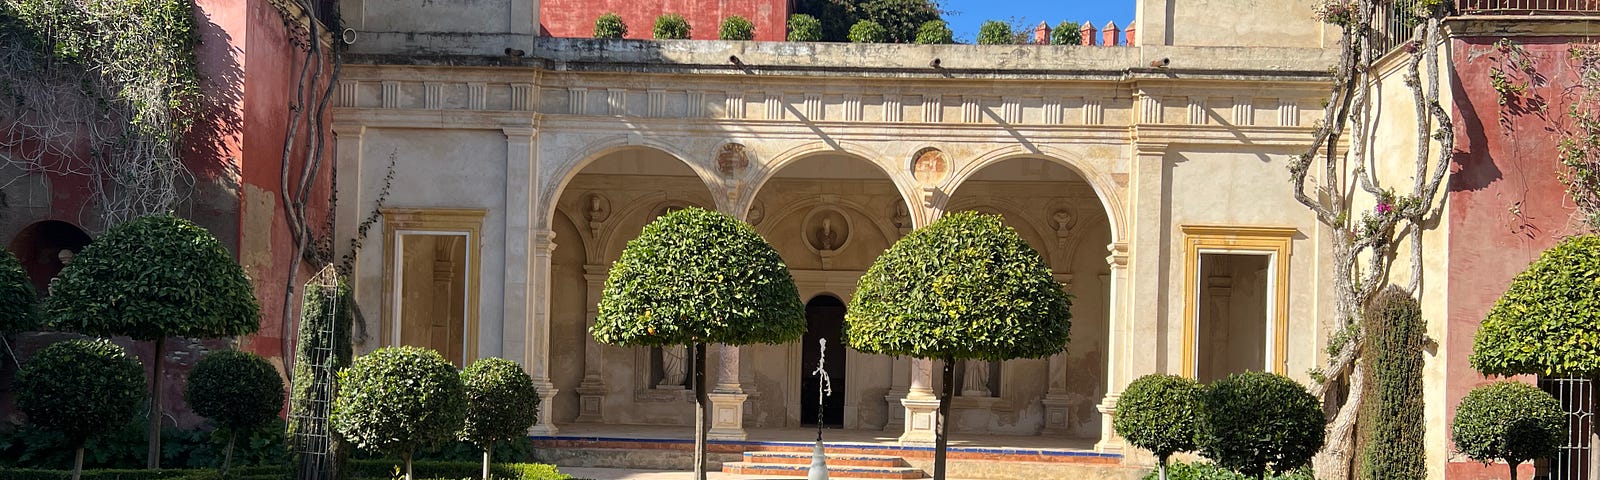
<point x="834" y="471"/>
<point x="839" y="459"/>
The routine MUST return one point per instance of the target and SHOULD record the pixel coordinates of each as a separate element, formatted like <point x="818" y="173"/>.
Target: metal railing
<point x="1553" y="7"/>
<point x="1572" y="460"/>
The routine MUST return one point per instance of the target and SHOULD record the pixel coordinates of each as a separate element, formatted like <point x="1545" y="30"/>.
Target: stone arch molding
<point x="1094" y="171"/>
<point x="886" y="161"/>
<point x="555" y="183"/>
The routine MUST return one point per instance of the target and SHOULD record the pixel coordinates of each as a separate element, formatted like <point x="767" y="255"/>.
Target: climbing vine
<point x="106" y="90"/>
<point x="1579" y="148"/>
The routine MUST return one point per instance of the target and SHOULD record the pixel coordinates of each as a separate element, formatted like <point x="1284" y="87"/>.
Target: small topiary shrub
<point x="399" y="399"/>
<point x="375" y="469"/>
<point x="19" y="305"/>
<point x="1510" y="421"/>
<point x="1547" y="320"/>
<point x="1209" y="471"/>
<point x="935" y="32"/>
<point x="1391" y="428"/>
<point x="804" y="28"/>
<point x="672" y="26"/>
<point x="1067" y="33"/>
<point x="736" y="28"/>
<point x="80" y="388"/>
<point x="610" y="25"/>
<point x="236" y="390"/>
<point x="1157" y="413"/>
<point x="868" y="31"/>
<point x="995" y="32"/>
<point x="501" y="404"/>
<point x="1255" y="422"/>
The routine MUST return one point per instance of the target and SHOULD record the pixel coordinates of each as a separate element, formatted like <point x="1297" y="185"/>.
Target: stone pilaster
<point x="1057" y="408"/>
<point x="539" y="331"/>
<point x="592" y="391"/>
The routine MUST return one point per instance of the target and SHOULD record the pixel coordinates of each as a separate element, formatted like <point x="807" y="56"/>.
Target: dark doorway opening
<point x="44" y="248"/>
<point x="824" y="320"/>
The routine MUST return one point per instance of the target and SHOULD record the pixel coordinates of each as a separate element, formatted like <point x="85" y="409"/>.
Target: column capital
<point x="1119" y="255"/>
<point x="518" y="132"/>
<point x="346" y="130"/>
<point x="1150" y="149"/>
<point x="544" y="241"/>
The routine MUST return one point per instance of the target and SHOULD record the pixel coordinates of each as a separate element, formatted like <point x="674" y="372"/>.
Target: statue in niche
<point x="674" y="366"/>
<point x="827" y="239"/>
<point x="599" y="209"/>
<point x="755" y="214"/>
<point x="1063" y="221"/>
<point x="65" y="256"/>
<point x="901" y="218"/>
<point x="976" y="381"/>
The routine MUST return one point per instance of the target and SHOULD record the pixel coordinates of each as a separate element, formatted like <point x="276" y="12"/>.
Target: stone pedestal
<point x="591" y="397"/>
<point x="1057" y="414"/>
<point x="897" y="413"/>
<point x="1110" y="442"/>
<point x="921" y="416"/>
<point x="727" y="416"/>
<point x="547" y="394"/>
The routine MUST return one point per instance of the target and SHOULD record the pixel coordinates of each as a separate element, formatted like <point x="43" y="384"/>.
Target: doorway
<point x="824" y="320"/>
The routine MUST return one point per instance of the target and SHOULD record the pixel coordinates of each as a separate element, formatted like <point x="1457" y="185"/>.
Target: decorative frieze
<point x="1197" y="111"/>
<point x="852" y="108"/>
<point x="616" y="101"/>
<point x="734" y="105"/>
<point x="657" y="100"/>
<point x="522" y="96"/>
<point x="1052" y="111"/>
<point x="1094" y="112"/>
<point x="578" y="101"/>
<point x="774" y="104"/>
<point x="477" y="96"/>
<point x="893" y="109"/>
<point x="1244" y="112"/>
<point x="695" y="105"/>
<point x="1150" y="109"/>
<point x="1288" y="113"/>
<point x="971" y="110"/>
<point x="432" y="95"/>
<point x="349" y="92"/>
<point x="814" y="107"/>
<point x="932" y="109"/>
<point x="391" y="94"/>
<point x="1011" y="110"/>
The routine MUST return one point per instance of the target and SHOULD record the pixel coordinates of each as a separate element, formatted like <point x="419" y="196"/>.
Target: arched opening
<point x="603" y="206"/>
<point x="45" y="247"/>
<point x="823" y="343"/>
<point x="1059" y="214"/>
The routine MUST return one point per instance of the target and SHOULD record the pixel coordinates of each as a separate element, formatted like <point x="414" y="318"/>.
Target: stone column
<point x="592" y="391"/>
<point x="727" y="398"/>
<point x="347" y="157"/>
<point x="1117" y="347"/>
<point x="899" y="386"/>
<point x="539" y="330"/>
<point x="521" y="215"/>
<point x="921" y="405"/>
<point x="1057" y="408"/>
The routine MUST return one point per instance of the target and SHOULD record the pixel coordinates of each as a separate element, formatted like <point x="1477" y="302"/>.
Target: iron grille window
<point x="1572" y="461"/>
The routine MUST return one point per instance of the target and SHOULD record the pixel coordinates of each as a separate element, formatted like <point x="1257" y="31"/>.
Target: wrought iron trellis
<point x="313" y="443"/>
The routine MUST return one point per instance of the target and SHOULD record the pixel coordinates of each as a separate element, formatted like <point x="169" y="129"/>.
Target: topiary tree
<point x="1548" y="321"/>
<point x="995" y="32"/>
<point x="671" y="26"/>
<point x="610" y="25"/>
<point x="1067" y="33"/>
<point x="804" y="28"/>
<point x="19" y="305"/>
<point x="501" y="404"/>
<point x="966" y="287"/>
<point x="736" y="28"/>
<point x="154" y="277"/>
<point x="326" y="307"/>
<point x="1257" y="422"/>
<point x="237" y="391"/>
<point x="1158" y="413"/>
<point x="399" y="399"/>
<point x="935" y="32"/>
<point x="80" y="388"/>
<point x="1392" y="434"/>
<point x="1510" y="421"/>
<point x="694" y="277"/>
<point x="868" y="31"/>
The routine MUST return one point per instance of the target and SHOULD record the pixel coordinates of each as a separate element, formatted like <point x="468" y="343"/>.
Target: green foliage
<point x="1548" y="321"/>
<point x="804" y="28"/>
<point x="397" y="399"/>
<point x="672" y="26"/>
<point x="156" y="276"/>
<point x="1209" y="471"/>
<point x="965" y="287"/>
<point x="1158" y="413"/>
<point x="19" y="306"/>
<point x="995" y="32"/>
<point x="321" y="306"/>
<point x="501" y="401"/>
<point x="1067" y="33"/>
<point x="272" y="473"/>
<point x="610" y="25"/>
<point x="455" y="470"/>
<point x="697" y="276"/>
<point x="1391" y="426"/>
<point x="1256" y="422"/>
<point x="868" y="31"/>
<point x="235" y="389"/>
<point x="736" y="28"/>
<point x="1579" y="147"/>
<point x="935" y="32"/>
<point x="81" y="388"/>
<point x="1510" y="421"/>
<point x="124" y="446"/>
<point x="901" y="19"/>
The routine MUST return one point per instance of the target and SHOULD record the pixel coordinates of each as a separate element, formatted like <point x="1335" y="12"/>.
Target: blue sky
<point x="967" y="15"/>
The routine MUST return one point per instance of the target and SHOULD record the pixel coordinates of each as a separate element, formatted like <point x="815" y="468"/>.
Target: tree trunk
<point x="487" y="454"/>
<point x="1513" y="466"/>
<point x="941" y="438"/>
<point x="227" y="456"/>
<point x="701" y="404"/>
<point x="77" y="463"/>
<point x="408" y="466"/>
<point x="153" y="455"/>
<point x="1162" y="468"/>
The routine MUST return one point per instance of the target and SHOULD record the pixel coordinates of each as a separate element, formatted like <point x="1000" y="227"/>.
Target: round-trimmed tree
<point x="935" y="32"/>
<point x="1066" y="33"/>
<point x="868" y="31"/>
<point x="237" y="391"/>
<point x="995" y="32"/>
<point x="154" y="277"/>
<point x="1159" y="413"/>
<point x="19" y="304"/>
<point x="1510" y="421"/>
<point x="610" y="25"/>
<point x="399" y="399"/>
<point x="671" y="26"/>
<point x="804" y="28"/>
<point x="736" y="28"/>
<point x="966" y="287"/>
<point x="694" y="277"/>
<point x="501" y="404"/>
<point x="81" y="388"/>
<point x="1257" y="422"/>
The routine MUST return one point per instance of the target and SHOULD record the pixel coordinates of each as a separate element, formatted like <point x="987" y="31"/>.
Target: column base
<point x="547" y="395"/>
<point x="921" y="417"/>
<point x="1110" y="442"/>
<point x="897" y="413"/>
<point x="727" y="416"/>
<point x="591" y="401"/>
<point x="1057" y="414"/>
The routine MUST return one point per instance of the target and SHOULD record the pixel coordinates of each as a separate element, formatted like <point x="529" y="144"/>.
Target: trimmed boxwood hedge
<point x="360" y="470"/>
<point x="456" y="470"/>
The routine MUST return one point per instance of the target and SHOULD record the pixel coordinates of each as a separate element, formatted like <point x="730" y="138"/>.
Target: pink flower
<point x="1384" y="208"/>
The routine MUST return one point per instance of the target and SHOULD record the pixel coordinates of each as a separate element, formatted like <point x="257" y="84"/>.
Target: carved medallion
<point x="929" y="166"/>
<point x="732" y="160"/>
